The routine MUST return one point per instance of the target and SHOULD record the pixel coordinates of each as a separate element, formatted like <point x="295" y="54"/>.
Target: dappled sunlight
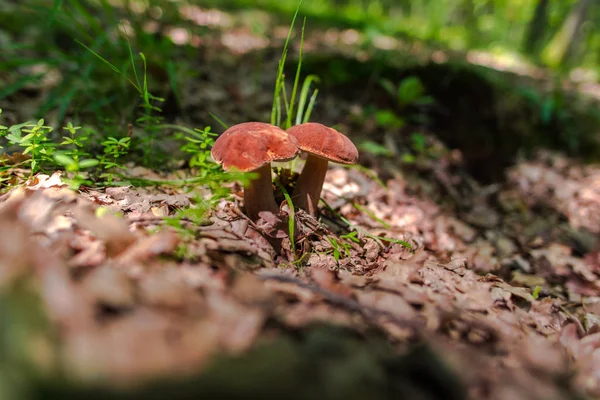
<point x="212" y="18"/>
<point x="505" y="62"/>
<point x="243" y="41"/>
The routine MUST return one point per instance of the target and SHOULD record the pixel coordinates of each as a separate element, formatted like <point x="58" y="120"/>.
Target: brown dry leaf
<point x="586" y="354"/>
<point x="90" y="251"/>
<point x="565" y="185"/>
<point x="166" y="288"/>
<point x="328" y="280"/>
<point x="109" y="286"/>
<point x="42" y="181"/>
<point x="520" y="292"/>
<point x="238" y="324"/>
<point x="61" y="297"/>
<point x="299" y="315"/>
<point x="547" y="316"/>
<point x="15" y="248"/>
<point x="113" y="231"/>
<point x="387" y="302"/>
<point x="14" y="159"/>
<point x="250" y="290"/>
<point x="145" y="248"/>
<point x="146" y="344"/>
<point x="291" y="292"/>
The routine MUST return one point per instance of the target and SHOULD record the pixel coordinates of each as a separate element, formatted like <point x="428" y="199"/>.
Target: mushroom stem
<point x="258" y="193"/>
<point x="307" y="193"/>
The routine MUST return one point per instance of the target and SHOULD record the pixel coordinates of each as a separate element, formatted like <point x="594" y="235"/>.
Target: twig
<point x="154" y="220"/>
<point x="369" y="313"/>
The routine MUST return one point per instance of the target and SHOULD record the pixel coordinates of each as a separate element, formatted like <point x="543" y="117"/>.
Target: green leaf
<point x="27" y="137"/>
<point x="408" y="158"/>
<point x="14" y="139"/>
<point x="88" y="163"/>
<point x="374" y="148"/>
<point x="547" y="110"/>
<point x="409" y="90"/>
<point x="388" y="86"/>
<point x="303" y="114"/>
<point x="18" y="127"/>
<point x="64" y="160"/>
<point x="387" y="118"/>
<point x="418" y="142"/>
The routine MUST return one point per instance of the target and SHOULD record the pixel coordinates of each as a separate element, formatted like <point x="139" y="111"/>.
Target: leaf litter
<point x="107" y="282"/>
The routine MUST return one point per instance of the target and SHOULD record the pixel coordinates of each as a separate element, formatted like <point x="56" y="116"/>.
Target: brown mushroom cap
<point x="250" y="145"/>
<point x="322" y="141"/>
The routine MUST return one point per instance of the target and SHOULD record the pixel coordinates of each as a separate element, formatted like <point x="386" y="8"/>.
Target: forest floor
<point x="501" y="282"/>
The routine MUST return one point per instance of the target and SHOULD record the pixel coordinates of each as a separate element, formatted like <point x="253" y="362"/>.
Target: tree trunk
<point x="566" y="40"/>
<point x="536" y="31"/>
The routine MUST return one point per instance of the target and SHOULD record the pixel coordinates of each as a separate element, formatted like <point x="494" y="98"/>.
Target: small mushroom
<point x="252" y="146"/>
<point x="323" y="144"/>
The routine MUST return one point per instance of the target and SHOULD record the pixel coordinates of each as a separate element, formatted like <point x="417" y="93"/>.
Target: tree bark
<point x="537" y="28"/>
<point x="566" y="40"/>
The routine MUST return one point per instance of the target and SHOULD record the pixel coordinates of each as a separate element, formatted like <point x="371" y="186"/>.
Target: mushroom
<point x="252" y="146"/>
<point x="323" y="144"/>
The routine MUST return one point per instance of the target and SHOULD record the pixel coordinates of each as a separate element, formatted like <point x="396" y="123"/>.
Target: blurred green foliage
<point x="559" y="34"/>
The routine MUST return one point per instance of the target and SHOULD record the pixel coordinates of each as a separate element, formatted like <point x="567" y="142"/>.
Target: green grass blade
<point x="104" y="60"/>
<point x="173" y="81"/>
<point x="52" y="15"/>
<point x="131" y="58"/>
<point x="303" y="96"/>
<point x="311" y="105"/>
<point x="286" y="103"/>
<point x="223" y="124"/>
<point x="145" y="93"/>
<point x="290" y="107"/>
<point x="91" y="21"/>
<point x="280" y="77"/>
<point x="365" y="232"/>
<point x="292" y="216"/>
<point x="372" y="215"/>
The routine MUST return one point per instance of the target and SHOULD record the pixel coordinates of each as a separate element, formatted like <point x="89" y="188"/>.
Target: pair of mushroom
<point x="252" y="146"/>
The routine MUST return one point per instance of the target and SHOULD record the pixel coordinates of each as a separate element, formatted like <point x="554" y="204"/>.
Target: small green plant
<point x="364" y="232"/>
<point x="3" y="130"/>
<point x="351" y="236"/>
<point x="291" y="216"/>
<point x="77" y="139"/>
<point x="374" y="148"/>
<point x="113" y="150"/>
<point x="75" y="167"/>
<point x="418" y="142"/>
<point x="151" y="118"/>
<point x="536" y="292"/>
<point x="339" y="248"/>
<point x="388" y="119"/>
<point x="198" y="143"/>
<point x="410" y="91"/>
<point x="196" y="215"/>
<point x="36" y="142"/>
